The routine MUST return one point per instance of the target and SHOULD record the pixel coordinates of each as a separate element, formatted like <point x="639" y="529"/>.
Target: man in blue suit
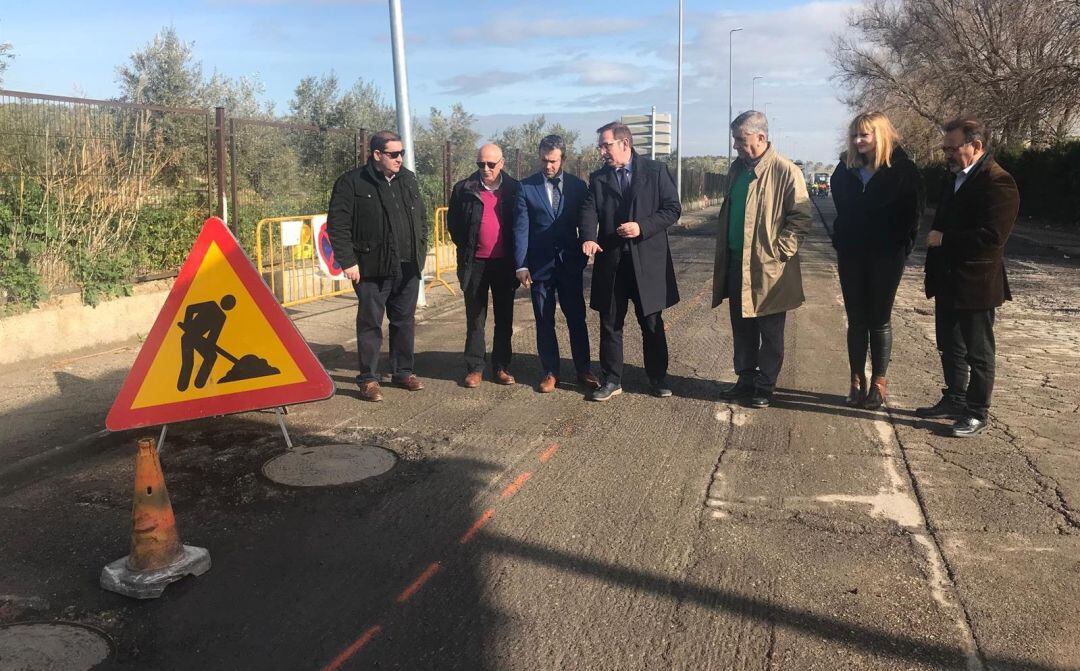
<point x="549" y="260"/>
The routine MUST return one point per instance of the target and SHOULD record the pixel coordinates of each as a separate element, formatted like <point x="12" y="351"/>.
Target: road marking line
<point x="549" y="453"/>
<point x="477" y="526"/>
<point x="516" y="485"/>
<point x="413" y="588"/>
<point x="354" y="647"/>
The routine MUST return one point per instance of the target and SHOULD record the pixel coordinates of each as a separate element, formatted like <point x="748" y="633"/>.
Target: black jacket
<point x="881" y="217"/>
<point x="359" y="227"/>
<point x="465" y="213"/>
<point x="654" y="205"/>
<point x="968" y="269"/>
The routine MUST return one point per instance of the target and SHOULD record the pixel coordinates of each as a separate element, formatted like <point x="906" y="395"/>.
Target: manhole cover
<point x="51" y="646"/>
<point x="329" y="465"/>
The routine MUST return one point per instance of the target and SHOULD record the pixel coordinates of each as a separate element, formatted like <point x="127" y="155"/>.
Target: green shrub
<point x="20" y="284"/>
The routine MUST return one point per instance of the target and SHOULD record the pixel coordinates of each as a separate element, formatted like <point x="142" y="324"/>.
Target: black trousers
<point x="869" y="284"/>
<point x="965" y="341"/>
<point x="758" y="342"/>
<point x="396" y="298"/>
<point x="653" y="336"/>
<point x="497" y="277"/>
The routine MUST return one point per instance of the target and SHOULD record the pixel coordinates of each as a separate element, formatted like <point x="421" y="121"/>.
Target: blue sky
<point x="505" y="61"/>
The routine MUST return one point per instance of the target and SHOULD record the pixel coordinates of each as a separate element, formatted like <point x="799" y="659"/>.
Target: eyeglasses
<point x="393" y="154"/>
<point x="949" y="149"/>
<point x="606" y="145"/>
<point x="490" y="165"/>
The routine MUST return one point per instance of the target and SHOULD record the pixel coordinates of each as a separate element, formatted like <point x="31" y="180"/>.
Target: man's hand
<point x="629" y="230"/>
<point x="353" y="273"/>
<point x="589" y="248"/>
<point x="524" y="277"/>
<point x="934" y="239"/>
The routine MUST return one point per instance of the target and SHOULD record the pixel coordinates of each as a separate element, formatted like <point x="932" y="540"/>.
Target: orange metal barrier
<point x="288" y="264"/>
<point x="444" y="249"/>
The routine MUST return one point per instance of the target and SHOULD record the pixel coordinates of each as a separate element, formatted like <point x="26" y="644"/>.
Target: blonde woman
<point x="879" y="199"/>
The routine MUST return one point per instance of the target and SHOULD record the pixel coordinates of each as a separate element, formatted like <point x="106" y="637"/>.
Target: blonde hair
<point x="886" y="139"/>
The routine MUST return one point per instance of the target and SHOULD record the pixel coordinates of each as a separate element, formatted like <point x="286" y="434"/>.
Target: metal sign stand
<point x="161" y="439"/>
<point x="281" y="412"/>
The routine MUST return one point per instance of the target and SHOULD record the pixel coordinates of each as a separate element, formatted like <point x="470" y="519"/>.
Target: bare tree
<point x="1014" y="64"/>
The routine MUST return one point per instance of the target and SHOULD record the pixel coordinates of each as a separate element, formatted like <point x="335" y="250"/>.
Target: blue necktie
<point x="556" y="195"/>
<point x="624" y="182"/>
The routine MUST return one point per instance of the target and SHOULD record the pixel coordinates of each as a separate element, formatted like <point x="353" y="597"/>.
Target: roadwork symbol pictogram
<point x="221" y="344"/>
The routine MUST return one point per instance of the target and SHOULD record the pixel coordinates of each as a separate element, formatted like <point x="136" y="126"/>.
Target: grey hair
<point x="752" y="122"/>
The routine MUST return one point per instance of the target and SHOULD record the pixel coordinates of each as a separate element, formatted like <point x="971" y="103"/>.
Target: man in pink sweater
<point x="480" y="220"/>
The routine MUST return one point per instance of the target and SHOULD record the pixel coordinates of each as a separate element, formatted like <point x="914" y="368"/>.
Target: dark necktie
<point x="556" y="195"/>
<point x="624" y="181"/>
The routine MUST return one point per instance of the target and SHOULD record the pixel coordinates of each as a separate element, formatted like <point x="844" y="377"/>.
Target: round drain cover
<point x="329" y="465"/>
<point x="52" y="646"/>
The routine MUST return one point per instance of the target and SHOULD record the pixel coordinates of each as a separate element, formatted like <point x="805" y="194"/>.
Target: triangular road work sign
<point x="221" y="344"/>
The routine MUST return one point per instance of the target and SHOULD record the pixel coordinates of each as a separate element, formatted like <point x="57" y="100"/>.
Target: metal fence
<point x="91" y="186"/>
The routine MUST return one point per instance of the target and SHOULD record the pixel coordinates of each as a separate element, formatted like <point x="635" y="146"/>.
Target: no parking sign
<point x="324" y="250"/>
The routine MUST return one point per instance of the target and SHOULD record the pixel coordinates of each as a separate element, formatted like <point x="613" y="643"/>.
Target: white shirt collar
<point x="497" y="186"/>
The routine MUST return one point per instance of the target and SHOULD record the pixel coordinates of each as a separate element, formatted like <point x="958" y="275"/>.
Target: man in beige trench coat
<point x="765" y="216"/>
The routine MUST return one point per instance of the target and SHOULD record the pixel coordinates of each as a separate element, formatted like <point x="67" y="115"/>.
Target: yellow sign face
<point x="219" y="343"/>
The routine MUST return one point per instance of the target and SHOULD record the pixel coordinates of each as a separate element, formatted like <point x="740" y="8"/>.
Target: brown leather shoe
<point x="857" y="394"/>
<point x="369" y="391"/>
<point x="412" y="383"/>
<point x="472" y="380"/>
<point x="588" y="380"/>
<point x="547" y="384"/>
<point x="877" y="394"/>
<point x="502" y="377"/>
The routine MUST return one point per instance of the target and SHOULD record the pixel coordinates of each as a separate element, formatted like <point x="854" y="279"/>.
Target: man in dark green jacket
<point x="378" y="231"/>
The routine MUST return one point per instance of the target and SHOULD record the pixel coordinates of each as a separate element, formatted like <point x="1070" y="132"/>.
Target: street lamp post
<point x="731" y="34"/>
<point x="753" y="91"/>
<point x="401" y="98"/>
<point x="678" y="113"/>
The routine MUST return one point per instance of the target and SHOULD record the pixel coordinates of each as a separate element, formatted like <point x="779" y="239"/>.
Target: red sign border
<point x="316" y="386"/>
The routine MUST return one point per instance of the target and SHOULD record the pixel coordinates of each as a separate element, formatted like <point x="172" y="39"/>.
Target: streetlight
<point x="753" y="91"/>
<point x="731" y="34"/>
<point x="678" y="114"/>
<point x="401" y="98"/>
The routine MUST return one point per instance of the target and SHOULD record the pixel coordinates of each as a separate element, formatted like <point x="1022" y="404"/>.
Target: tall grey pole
<point x="652" y="134"/>
<point x="401" y="97"/>
<point x="730" y="118"/>
<point x="401" y="83"/>
<point x="678" y="112"/>
<point x="753" y="92"/>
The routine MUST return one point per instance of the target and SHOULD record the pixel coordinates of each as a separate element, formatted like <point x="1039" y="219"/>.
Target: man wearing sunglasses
<point x="480" y="220"/>
<point x="965" y="273"/>
<point x="632" y="202"/>
<point x="378" y="230"/>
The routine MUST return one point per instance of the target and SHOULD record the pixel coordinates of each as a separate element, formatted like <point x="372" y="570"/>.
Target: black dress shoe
<point x="606" y="391"/>
<point x="965" y="427"/>
<point x="737" y="391"/>
<point x="760" y="399"/>
<point x="943" y="409"/>
<point x="659" y="389"/>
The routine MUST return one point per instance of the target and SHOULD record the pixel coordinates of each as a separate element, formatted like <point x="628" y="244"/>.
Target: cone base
<point x="117" y="577"/>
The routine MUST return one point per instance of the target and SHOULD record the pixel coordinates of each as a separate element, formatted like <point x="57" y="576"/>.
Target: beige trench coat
<point x="777" y="219"/>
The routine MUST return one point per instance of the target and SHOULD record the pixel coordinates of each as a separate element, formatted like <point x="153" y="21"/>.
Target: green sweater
<point x="737" y="211"/>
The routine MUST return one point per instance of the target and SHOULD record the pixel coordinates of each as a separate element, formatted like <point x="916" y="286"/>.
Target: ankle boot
<point x="875" y="396"/>
<point x="857" y="394"/>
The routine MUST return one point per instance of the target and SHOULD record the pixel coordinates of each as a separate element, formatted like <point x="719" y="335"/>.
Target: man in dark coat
<point x="480" y="219"/>
<point x="965" y="273"/>
<point x="378" y="231"/>
<point x="631" y="203"/>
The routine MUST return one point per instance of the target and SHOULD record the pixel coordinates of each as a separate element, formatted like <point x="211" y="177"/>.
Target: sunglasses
<point x="393" y="154"/>
<point x="490" y="165"/>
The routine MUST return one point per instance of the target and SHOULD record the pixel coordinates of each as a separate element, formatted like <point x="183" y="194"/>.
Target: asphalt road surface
<point x="528" y="531"/>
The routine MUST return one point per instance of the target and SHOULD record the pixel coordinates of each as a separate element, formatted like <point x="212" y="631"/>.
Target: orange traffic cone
<point x="157" y="556"/>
